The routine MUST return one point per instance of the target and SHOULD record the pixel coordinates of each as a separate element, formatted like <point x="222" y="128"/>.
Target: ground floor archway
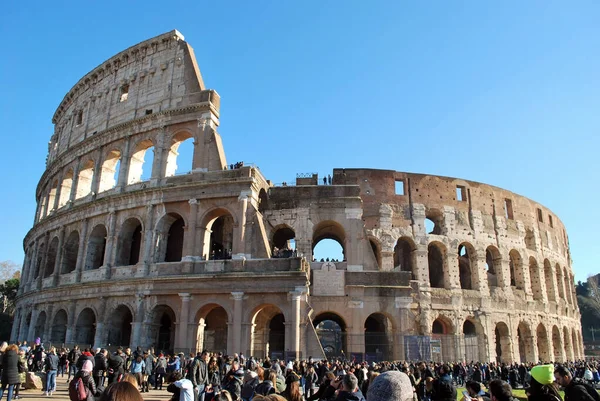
<point x="161" y="328"/>
<point x="119" y="327"/>
<point x="212" y="329"/>
<point x="378" y="338"/>
<point x="268" y="332"/>
<point x="58" y="333"/>
<point x="331" y="332"/>
<point x="85" y="329"/>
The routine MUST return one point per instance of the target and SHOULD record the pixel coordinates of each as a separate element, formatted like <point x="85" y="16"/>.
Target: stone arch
<point x="109" y="175"/>
<point x="379" y="337"/>
<point x="376" y="248"/>
<point x="58" y="333"/>
<point x="569" y="354"/>
<point x="51" y="254"/>
<point x="84" y="179"/>
<point x="557" y="344"/>
<point x="70" y="253"/>
<point x="525" y="342"/>
<point x="535" y="279"/>
<point x="40" y="323"/>
<point x="434" y="222"/>
<point x="212" y="334"/>
<point x="38" y="263"/>
<point x="331" y="331"/>
<point x="503" y="343"/>
<point x="129" y="243"/>
<point x="96" y="247"/>
<point x="65" y="188"/>
<point x="170" y="232"/>
<point x="517" y="277"/>
<point x="172" y="157"/>
<point x="493" y="262"/>
<point x="442" y="332"/>
<point x="405" y="256"/>
<point x="263" y="200"/>
<point x="283" y="241"/>
<point x="331" y="230"/>
<point x="438" y="265"/>
<point x="85" y="328"/>
<point x="473" y="339"/>
<point x="139" y="163"/>
<point x="52" y="196"/>
<point x="268" y="332"/>
<point x="549" y="279"/>
<point x="42" y="207"/>
<point x="467" y="266"/>
<point x="560" y="282"/>
<point x="543" y="343"/>
<point x="120" y="326"/>
<point x="161" y="328"/>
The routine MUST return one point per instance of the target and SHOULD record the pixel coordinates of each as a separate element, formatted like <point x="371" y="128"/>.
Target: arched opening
<point x="96" y="247"/>
<point x="404" y="256"/>
<point x="436" y="257"/>
<point x="284" y="242"/>
<point x="466" y="262"/>
<point x="212" y="329"/>
<point x="568" y="345"/>
<point x="52" y="196"/>
<point x="442" y="340"/>
<point x="263" y="200"/>
<point x="378" y="338"/>
<point x="472" y="341"/>
<point x="85" y="328"/>
<point x="140" y="164"/>
<point x="170" y="238"/>
<point x="434" y="222"/>
<point x="43" y="208"/>
<point x="328" y="241"/>
<point x="51" y="257"/>
<point x="542" y="344"/>
<point x="129" y="243"/>
<point x="109" y="175"/>
<point x="181" y="154"/>
<point x="557" y="345"/>
<point x="161" y="331"/>
<point x="560" y="282"/>
<point x="65" y="188"/>
<point x="376" y="248"/>
<point x="84" y="180"/>
<point x="525" y="343"/>
<point x="549" y="279"/>
<point x="516" y="270"/>
<point x="221" y="238"/>
<point x="119" y="330"/>
<point x="70" y="253"/>
<point x="38" y="263"/>
<point x="331" y="332"/>
<point x="493" y="263"/>
<point x="503" y="351"/>
<point x="534" y="278"/>
<point x="567" y="287"/>
<point x="26" y="325"/>
<point x="40" y="323"/>
<point x="268" y="333"/>
<point x="58" y="332"/>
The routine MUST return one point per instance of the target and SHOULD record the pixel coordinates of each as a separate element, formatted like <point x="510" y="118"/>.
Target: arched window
<point x="70" y="253"/>
<point x="329" y="241"/>
<point x="466" y="262"/>
<point x="404" y="256"/>
<point x="263" y="200"/>
<point x="493" y="262"/>
<point x="560" y="282"/>
<point x="434" y="222"/>
<point x="84" y="180"/>
<point x="181" y="153"/>
<point x="129" y="243"/>
<point x="51" y="257"/>
<point x="284" y="242"/>
<point x="534" y="278"/>
<point x="436" y="256"/>
<point x="221" y="238"/>
<point x="549" y="279"/>
<point x="65" y="188"/>
<point x="174" y="251"/>
<point x="110" y="171"/>
<point x="516" y="270"/>
<point x="141" y="162"/>
<point x="96" y="247"/>
<point x="52" y="196"/>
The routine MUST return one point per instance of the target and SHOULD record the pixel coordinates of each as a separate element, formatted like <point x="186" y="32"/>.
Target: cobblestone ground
<point x="62" y="393"/>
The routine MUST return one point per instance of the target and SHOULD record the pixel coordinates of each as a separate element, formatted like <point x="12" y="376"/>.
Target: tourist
<point x="575" y="389"/>
<point x="51" y="367"/>
<point x="268" y="385"/>
<point x="137" y="368"/>
<point x="474" y="391"/>
<point x="100" y="368"/>
<point x="161" y="370"/>
<point x="348" y="389"/>
<point x="22" y="369"/>
<point x="250" y="383"/>
<point x="310" y="381"/>
<point x="292" y="388"/>
<point x="542" y="387"/>
<point x="182" y="388"/>
<point x="121" y="391"/>
<point x="85" y="373"/>
<point x="391" y="386"/>
<point x="10" y="369"/>
<point x="500" y="391"/>
<point x="73" y="358"/>
<point x="116" y="366"/>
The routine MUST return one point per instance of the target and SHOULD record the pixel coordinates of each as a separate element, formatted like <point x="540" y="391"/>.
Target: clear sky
<point x="502" y="92"/>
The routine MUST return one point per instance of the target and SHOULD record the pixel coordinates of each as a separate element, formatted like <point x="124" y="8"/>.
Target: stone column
<point x="124" y="166"/>
<point x="80" y="266"/>
<point x="136" y="329"/>
<point x="34" y="317"/>
<point x="59" y="255"/>
<point x="44" y="261"/>
<point x="110" y="251"/>
<point x="190" y="238"/>
<point x="148" y="247"/>
<point x="421" y="265"/>
<point x="238" y="297"/>
<point x="239" y="245"/>
<point x="14" y="333"/>
<point x="97" y="172"/>
<point x="48" y="323"/>
<point x="100" y="337"/>
<point x="452" y="271"/>
<point x="76" y="169"/>
<point x="182" y="329"/>
<point x="295" y="298"/>
<point x="70" y="334"/>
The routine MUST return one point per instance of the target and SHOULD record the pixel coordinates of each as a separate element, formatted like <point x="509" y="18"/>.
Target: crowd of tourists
<point x="123" y="375"/>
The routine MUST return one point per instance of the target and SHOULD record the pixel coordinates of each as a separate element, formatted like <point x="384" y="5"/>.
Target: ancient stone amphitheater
<point x="125" y="251"/>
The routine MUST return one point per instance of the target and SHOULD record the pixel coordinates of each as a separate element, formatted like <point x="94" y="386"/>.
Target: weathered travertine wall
<point x="203" y="260"/>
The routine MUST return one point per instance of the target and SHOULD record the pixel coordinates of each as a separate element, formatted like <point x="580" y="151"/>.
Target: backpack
<point x="248" y="389"/>
<point x="264" y="388"/>
<point x="588" y="388"/>
<point x="77" y="390"/>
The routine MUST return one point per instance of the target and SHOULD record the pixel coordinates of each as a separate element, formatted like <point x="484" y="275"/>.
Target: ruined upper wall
<point x="153" y="76"/>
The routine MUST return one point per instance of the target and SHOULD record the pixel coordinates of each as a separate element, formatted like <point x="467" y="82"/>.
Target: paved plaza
<point x="62" y="393"/>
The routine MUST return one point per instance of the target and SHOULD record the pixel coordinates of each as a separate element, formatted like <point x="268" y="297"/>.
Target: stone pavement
<point x="62" y="393"/>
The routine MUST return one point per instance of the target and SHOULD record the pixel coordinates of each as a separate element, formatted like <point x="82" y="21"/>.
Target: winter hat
<point x="87" y="366"/>
<point x="290" y="366"/>
<point x="543" y="374"/>
<point x="391" y="386"/>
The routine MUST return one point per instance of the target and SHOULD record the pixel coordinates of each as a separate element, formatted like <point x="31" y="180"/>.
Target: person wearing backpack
<point x="250" y="383"/>
<point x="575" y="389"/>
<point x="267" y="386"/>
<point x="83" y="387"/>
<point x="73" y="358"/>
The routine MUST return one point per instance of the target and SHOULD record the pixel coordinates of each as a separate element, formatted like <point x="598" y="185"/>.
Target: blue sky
<point x="504" y="92"/>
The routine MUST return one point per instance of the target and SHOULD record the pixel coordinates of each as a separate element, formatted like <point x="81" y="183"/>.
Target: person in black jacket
<point x="116" y="367"/>
<point x="51" y="366"/>
<point x="100" y="368"/>
<point x="10" y="370"/>
<point x="575" y="389"/>
<point x="198" y="375"/>
<point x="326" y="390"/>
<point x="85" y="373"/>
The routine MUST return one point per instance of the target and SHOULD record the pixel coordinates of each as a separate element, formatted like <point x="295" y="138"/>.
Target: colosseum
<point x="127" y="250"/>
